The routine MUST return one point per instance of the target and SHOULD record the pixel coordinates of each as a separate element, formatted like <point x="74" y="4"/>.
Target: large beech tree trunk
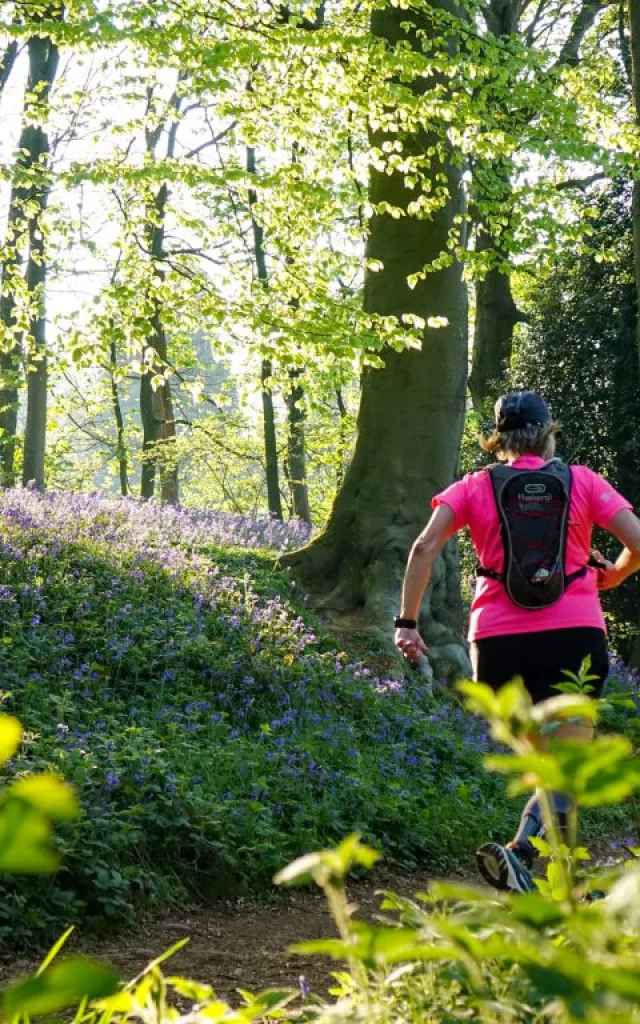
<point x="412" y="411"/>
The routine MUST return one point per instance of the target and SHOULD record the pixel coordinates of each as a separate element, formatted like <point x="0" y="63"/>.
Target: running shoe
<point x="502" y="868"/>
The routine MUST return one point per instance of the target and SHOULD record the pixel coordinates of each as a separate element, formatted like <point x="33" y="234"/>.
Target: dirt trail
<point x="240" y="943"/>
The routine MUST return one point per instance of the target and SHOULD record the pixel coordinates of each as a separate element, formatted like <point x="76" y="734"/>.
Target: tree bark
<point x="496" y="317"/>
<point x="10" y="351"/>
<point x="274" y="500"/>
<point x="7" y="61"/>
<point x="37" y="372"/>
<point x="342" y="438"/>
<point x="272" y="475"/>
<point x="121" y="448"/>
<point x="296" y="449"/>
<point x="33" y="149"/>
<point x="634" y="39"/>
<point x="43" y="65"/>
<point x="411" y="412"/>
<point x="156" y="401"/>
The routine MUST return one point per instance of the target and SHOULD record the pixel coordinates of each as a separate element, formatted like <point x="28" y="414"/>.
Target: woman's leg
<point x="531" y="822"/>
<point x="539" y="659"/>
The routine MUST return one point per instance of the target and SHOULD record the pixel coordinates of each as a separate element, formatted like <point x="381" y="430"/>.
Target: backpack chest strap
<point x="494" y="575"/>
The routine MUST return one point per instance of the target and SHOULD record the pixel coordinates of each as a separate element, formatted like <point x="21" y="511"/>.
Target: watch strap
<point x="401" y="623"/>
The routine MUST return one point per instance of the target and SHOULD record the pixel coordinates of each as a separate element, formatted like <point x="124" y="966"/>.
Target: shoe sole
<point x="496" y="868"/>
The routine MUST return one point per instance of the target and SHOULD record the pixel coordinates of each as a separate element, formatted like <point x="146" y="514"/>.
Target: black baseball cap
<point x="520" y="409"/>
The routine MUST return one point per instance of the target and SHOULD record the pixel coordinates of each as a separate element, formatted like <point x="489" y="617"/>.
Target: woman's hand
<point x="608" y="576"/>
<point x="410" y="643"/>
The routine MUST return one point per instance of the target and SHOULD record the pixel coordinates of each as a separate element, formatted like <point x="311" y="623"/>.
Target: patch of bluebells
<point x="206" y="726"/>
<point x="143" y="524"/>
<point x="621" y="676"/>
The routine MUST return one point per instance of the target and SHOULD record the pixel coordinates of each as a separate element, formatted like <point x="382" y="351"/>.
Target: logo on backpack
<point x="533" y="507"/>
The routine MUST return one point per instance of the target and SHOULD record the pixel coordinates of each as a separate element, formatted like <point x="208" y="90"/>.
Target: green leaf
<point x="514" y="701"/>
<point x="541" y="845"/>
<point x="480" y="698"/>
<point x="543" y="768"/>
<point x="49" y="794"/>
<point x="25" y="840"/>
<point x="10" y="736"/>
<point x="441" y="891"/>
<point x="326" y="866"/>
<point x="269" y="999"/>
<point x="623" y="983"/>
<point x="566" y="705"/>
<point x="601" y="772"/>
<point x="55" y="949"/>
<point x="300" y="871"/>
<point x="59" y="986"/>
<point x="190" y="989"/>
<point x="553" y="982"/>
<point x="536" y="911"/>
<point x="378" y="946"/>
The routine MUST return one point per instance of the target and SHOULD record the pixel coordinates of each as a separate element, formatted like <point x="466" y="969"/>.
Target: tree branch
<point x="7" y="61"/>
<point x="581" y="183"/>
<point x="625" y="47"/>
<point x="586" y="16"/>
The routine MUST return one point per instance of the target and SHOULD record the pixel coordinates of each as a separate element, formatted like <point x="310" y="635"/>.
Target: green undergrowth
<point x="210" y="732"/>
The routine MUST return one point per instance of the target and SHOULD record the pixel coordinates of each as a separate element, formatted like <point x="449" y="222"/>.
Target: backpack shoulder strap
<point x="500" y="473"/>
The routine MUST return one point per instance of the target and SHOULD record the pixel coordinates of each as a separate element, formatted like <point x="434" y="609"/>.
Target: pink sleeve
<point x="606" y="502"/>
<point x="456" y="496"/>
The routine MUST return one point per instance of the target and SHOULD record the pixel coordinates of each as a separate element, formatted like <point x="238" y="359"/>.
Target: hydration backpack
<point x="533" y="507"/>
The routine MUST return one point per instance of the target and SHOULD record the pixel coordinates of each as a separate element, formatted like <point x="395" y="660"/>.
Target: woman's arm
<point x="625" y="526"/>
<point x="416" y="578"/>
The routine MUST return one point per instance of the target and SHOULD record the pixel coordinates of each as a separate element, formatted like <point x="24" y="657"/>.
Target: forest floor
<point x="239" y="943"/>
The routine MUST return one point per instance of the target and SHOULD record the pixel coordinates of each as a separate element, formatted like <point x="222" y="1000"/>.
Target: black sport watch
<point x="401" y="623"/>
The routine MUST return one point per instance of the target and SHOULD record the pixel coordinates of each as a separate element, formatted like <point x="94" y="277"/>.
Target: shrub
<point x="210" y="734"/>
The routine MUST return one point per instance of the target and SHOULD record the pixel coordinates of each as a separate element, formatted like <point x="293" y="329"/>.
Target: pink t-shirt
<point x="493" y="613"/>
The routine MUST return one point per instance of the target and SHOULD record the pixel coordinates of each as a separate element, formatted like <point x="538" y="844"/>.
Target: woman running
<point x="536" y="609"/>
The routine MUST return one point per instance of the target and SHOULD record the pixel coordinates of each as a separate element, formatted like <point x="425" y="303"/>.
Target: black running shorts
<point x="539" y="659"/>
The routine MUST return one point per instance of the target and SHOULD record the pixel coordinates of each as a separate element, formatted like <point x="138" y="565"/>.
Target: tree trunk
<point x="10" y="352"/>
<point x="634" y="47"/>
<point x="274" y="500"/>
<point x="156" y="402"/>
<point x="37" y="372"/>
<point x="43" y="65"/>
<point x="634" y="36"/>
<point x="342" y="438"/>
<point x="411" y="412"/>
<point x="121" y="448"/>
<point x="7" y="62"/>
<point x="296" y="450"/>
<point x="634" y="32"/>
<point x="272" y="475"/>
<point x="496" y="317"/>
